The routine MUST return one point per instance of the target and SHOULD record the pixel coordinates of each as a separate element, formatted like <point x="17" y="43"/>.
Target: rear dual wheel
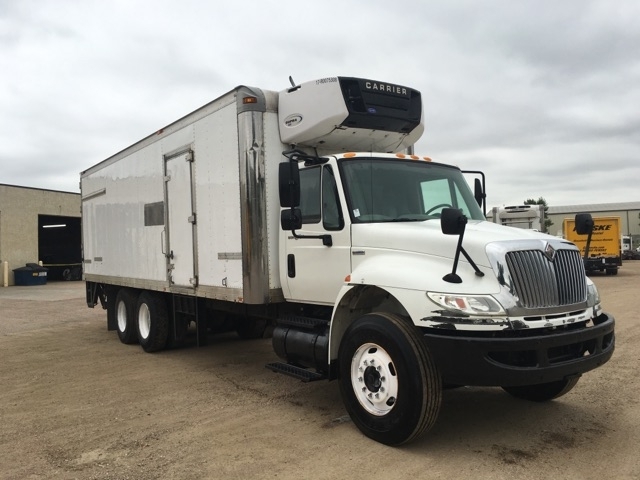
<point x="388" y="380"/>
<point x="152" y="321"/>
<point x="125" y="304"/>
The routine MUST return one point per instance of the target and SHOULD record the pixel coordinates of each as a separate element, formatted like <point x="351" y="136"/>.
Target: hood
<point x="427" y="237"/>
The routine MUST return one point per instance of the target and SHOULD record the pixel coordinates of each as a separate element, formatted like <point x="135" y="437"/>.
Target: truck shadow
<point x="488" y="421"/>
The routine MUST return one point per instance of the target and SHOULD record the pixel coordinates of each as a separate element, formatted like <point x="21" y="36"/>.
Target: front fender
<point x="397" y="282"/>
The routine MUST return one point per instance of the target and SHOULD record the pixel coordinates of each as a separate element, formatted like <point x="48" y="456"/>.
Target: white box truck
<point x="378" y="270"/>
<point x="529" y="217"/>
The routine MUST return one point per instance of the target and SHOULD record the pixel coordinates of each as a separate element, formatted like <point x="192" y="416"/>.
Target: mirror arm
<point x="327" y="240"/>
<point x="587" y="246"/>
<point x="454" y="222"/>
<point x="453" y="277"/>
<point x="473" y="264"/>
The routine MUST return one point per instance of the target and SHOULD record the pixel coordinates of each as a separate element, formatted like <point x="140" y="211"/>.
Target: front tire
<point x="388" y="381"/>
<point x="543" y="392"/>
<point x="125" y="316"/>
<point x="152" y="322"/>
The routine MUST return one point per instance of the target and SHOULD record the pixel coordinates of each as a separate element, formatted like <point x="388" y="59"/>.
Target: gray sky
<point x="543" y="96"/>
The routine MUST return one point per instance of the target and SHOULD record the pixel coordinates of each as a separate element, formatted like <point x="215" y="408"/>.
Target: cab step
<point x="295" y="371"/>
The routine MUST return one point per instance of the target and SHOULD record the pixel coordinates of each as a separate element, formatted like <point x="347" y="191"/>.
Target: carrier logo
<point x="386" y="88"/>
<point x="293" y="120"/>
<point x="549" y="252"/>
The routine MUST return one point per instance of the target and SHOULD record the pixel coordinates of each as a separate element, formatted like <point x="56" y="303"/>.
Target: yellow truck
<point x="601" y="249"/>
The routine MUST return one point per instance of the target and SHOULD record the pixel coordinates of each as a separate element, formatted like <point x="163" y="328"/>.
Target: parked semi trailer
<point x="376" y="268"/>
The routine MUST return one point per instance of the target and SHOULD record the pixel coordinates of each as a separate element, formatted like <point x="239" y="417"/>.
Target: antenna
<point x="293" y="84"/>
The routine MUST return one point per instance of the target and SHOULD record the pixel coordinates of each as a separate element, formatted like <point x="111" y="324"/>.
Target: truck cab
<point x="398" y="250"/>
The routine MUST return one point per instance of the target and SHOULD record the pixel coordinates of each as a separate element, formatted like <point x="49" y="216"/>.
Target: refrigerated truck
<point x="529" y="217"/>
<point x="626" y="247"/>
<point x="375" y="268"/>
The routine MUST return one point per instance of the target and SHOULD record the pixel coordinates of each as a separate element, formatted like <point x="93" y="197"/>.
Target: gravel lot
<point x="75" y="403"/>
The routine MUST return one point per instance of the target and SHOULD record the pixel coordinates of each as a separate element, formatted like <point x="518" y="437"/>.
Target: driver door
<point x="313" y="272"/>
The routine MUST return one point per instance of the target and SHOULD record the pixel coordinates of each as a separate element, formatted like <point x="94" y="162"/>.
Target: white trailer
<point x="626" y="247"/>
<point x="375" y="269"/>
<point x="529" y="217"/>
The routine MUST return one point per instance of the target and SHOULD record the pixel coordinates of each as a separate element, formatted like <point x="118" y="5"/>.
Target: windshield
<point x="392" y="190"/>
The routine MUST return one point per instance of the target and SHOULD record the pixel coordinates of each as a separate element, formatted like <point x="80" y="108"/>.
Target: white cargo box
<point x="192" y="208"/>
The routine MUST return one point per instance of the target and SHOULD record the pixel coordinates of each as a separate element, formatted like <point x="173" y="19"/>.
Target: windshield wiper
<point x="406" y="220"/>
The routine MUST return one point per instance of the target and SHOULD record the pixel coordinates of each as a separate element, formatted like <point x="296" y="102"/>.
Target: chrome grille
<point x="539" y="282"/>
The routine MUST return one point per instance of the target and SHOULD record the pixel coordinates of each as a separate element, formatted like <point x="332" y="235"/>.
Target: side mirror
<point x="452" y="221"/>
<point x="584" y="223"/>
<point x="478" y="192"/>
<point x="289" y="184"/>
<point x="291" y="219"/>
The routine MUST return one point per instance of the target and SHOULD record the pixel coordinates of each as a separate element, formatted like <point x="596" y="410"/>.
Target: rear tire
<point x="152" y="322"/>
<point x="125" y="308"/>
<point x="388" y="380"/>
<point x="543" y="392"/>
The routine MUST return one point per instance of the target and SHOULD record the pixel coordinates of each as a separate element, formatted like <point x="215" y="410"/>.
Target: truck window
<point x="331" y="212"/>
<point x="310" y="194"/>
<point x="319" y="198"/>
<point x="391" y="190"/>
<point x="442" y="191"/>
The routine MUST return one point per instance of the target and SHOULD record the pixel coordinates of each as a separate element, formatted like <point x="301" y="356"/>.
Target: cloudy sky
<point x="543" y="96"/>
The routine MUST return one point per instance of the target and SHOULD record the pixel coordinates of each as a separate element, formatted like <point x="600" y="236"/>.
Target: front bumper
<point x="521" y="357"/>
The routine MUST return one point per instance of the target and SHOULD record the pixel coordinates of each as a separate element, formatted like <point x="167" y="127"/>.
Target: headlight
<point x="467" y="304"/>
<point x="593" y="298"/>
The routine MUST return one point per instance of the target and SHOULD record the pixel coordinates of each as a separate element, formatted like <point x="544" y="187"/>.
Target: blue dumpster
<point x="30" y="274"/>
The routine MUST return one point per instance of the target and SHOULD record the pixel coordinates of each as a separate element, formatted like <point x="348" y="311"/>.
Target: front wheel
<point x="388" y="381"/>
<point x="543" y="391"/>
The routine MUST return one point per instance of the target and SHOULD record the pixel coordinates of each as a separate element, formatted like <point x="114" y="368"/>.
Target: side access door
<point x="180" y="248"/>
<point x="312" y="271"/>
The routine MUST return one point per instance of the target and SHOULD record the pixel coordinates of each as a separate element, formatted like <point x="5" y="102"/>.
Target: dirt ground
<point x="75" y="403"/>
